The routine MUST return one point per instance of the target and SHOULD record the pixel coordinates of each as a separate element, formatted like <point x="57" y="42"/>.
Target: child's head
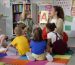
<point x="21" y="25"/>
<point x="37" y="34"/>
<point x="18" y="31"/>
<point x="50" y="27"/>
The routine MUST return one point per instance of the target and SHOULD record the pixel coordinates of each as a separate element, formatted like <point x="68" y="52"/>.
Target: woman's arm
<point x="23" y="12"/>
<point x="59" y="26"/>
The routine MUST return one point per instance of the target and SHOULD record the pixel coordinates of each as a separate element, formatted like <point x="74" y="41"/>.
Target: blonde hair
<point x="18" y="31"/>
<point x="21" y="25"/>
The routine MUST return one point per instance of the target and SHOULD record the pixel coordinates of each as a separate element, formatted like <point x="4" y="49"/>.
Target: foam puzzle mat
<point x="22" y="60"/>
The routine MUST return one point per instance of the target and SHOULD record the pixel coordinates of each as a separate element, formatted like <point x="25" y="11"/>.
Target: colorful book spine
<point x="17" y="8"/>
<point x="17" y="17"/>
<point x="27" y="7"/>
<point x="20" y="8"/>
<point x="14" y="9"/>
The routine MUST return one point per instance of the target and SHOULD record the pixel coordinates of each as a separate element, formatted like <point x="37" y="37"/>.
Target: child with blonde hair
<point x="25" y="30"/>
<point x="20" y="42"/>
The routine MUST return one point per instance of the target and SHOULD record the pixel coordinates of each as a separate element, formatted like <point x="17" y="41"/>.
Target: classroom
<point x="37" y="32"/>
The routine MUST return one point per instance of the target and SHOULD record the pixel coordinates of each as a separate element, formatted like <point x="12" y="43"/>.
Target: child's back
<point x="52" y="36"/>
<point x="21" y="44"/>
<point x="38" y="47"/>
<point x="55" y="41"/>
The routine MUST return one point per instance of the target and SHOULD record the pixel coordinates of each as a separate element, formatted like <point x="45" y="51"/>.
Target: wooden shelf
<point x="17" y="12"/>
<point x="21" y="4"/>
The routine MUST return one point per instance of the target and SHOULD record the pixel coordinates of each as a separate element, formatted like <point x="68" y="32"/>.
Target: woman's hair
<point x="37" y="34"/>
<point x="18" y="31"/>
<point x="51" y="26"/>
<point x="60" y="12"/>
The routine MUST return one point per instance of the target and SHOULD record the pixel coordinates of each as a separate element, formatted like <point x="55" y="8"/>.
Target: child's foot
<point x="49" y="57"/>
<point x="29" y="56"/>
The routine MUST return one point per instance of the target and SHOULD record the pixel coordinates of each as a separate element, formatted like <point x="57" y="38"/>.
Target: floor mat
<point x="37" y="63"/>
<point x="59" y="60"/>
<point x="19" y="62"/>
<point x="22" y="60"/>
<point x="53" y="63"/>
<point x="63" y="56"/>
<point x="2" y="63"/>
<point x="12" y="57"/>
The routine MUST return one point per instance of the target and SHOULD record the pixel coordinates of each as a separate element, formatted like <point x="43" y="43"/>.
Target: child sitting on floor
<point x="25" y="30"/>
<point x="38" y="45"/>
<point x="3" y="39"/>
<point x="55" y="43"/>
<point x="20" y="42"/>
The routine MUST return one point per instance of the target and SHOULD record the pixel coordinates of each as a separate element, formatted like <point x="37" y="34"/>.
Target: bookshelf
<point x="17" y="10"/>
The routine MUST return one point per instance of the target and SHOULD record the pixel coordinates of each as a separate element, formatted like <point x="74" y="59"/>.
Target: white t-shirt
<point x="52" y="36"/>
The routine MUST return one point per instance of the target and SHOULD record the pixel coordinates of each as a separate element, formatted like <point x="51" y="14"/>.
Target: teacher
<point x="56" y="16"/>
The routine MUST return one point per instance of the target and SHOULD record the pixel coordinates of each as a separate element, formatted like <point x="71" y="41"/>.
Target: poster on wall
<point x="6" y="3"/>
<point x="48" y="8"/>
<point x="73" y="8"/>
<point x="65" y="4"/>
<point x="73" y="11"/>
<point x="44" y="17"/>
<point x="42" y="1"/>
<point x="69" y="18"/>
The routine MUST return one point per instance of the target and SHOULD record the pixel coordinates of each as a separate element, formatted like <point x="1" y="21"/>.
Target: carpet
<point x="1" y="63"/>
<point x="12" y="59"/>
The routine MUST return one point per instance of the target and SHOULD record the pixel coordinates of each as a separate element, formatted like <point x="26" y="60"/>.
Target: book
<point x="27" y="7"/>
<point x="17" y="17"/>
<point x="20" y="8"/>
<point x="17" y="8"/>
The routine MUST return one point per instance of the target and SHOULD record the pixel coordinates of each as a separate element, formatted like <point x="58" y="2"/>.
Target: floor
<point x="72" y="44"/>
<point x="72" y="60"/>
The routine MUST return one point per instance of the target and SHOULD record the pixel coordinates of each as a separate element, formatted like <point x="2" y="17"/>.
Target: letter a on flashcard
<point x="44" y="17"/>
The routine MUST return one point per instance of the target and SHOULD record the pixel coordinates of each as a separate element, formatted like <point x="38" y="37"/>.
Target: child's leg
<point x="29" y="56"/>
<point x="39" y="57"/>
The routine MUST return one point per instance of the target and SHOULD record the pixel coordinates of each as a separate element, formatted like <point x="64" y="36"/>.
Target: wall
<point x="69" y="26"/>
<point x="7" y="11"/>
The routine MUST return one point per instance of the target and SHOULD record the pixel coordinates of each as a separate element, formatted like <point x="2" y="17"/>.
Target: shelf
<point x="22" y="4"/>
<point x="14" y="22"/>
<point x="17" y="12"/>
